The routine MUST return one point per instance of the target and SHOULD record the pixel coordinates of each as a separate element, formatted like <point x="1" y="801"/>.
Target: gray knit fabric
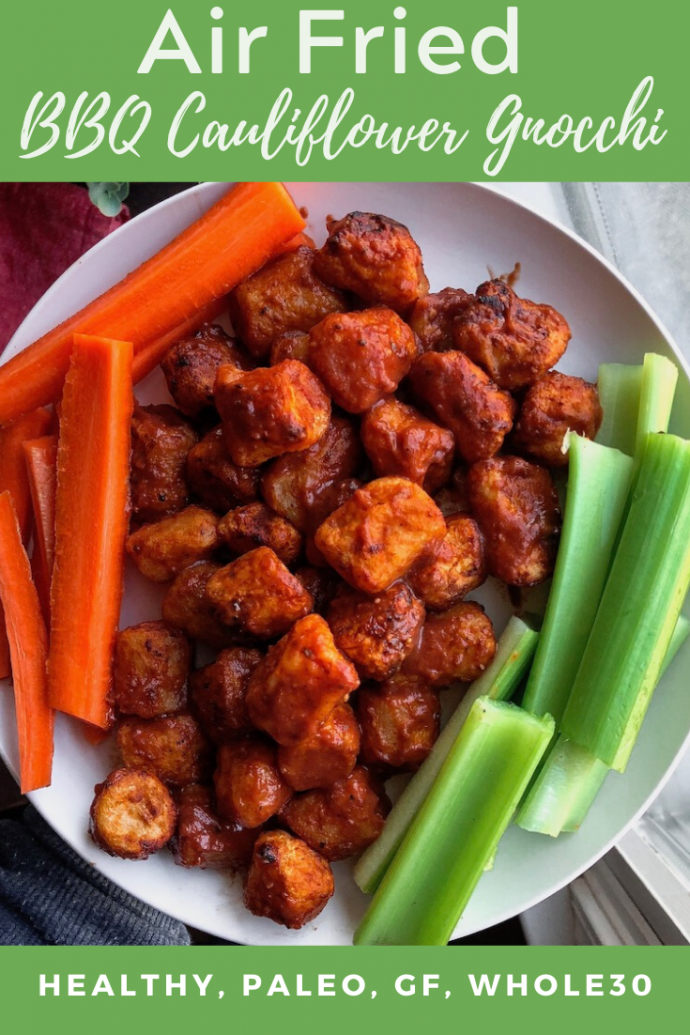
<point x="50" y="896"/>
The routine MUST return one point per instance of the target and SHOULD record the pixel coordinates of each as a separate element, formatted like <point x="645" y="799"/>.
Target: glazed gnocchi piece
<point x="162" y="550"/>
<point x="258" y="594"/>
<point x="326" y="757"/>
<point x="161" y="440"/>
<point x="400" y="441"/>
<point x="191" y="365"/>
<point x="376" y="632"/>
<point x="465" y="400"/>
<point x="375" y="538"/>
<point x="285" y="296"/>
<point x="187" y="607"/>
<point x="454" y="646"/>
<point x="514" y="340"/>
<point x="457" y="567"/>
<point x="361" y="357"/>
<point x="553" y="406"/>
<point x="433" y="316"/>
<point x="374" y="257"/>
<point x="219" y="690"/>
<point x="516" y="506"/>
<point x="150" y="669"/>
<point x="132" y="814"/>
<point x="400" y="722"/>
<point x="215" y="480"/>
<point x="270" y="411"/>
<point x="205" y="841"/>
<point x="249" y="787"/>
<point x="288" y="882"/>
<point x="173" y="747"/>
<point x="342" y="820"/>
<point x="247" y="528"/>
<point x="303" y="677"/>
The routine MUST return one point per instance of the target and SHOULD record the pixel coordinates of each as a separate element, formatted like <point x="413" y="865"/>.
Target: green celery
<point x="457" y="829"/>
<point x="598" y="484"/>
<point x="620" y="386"/>
<point x="680" y="634"/>
<point x="571" y="777"/>
<point x="640" y="605"/>
<point x="659" y="380"/>
<point x="514" y="652"/>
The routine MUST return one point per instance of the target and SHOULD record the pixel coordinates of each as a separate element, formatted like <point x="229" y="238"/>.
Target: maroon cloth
<point x="44" y="228"/>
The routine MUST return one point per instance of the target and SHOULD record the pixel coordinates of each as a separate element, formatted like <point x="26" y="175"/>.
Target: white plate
<point x="463" y="231"/>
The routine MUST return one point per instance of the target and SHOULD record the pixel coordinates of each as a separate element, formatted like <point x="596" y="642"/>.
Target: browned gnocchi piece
<point x="341" y="820"/>
<point x="270" y="411"/>
<point x="361" y="357"/>
<point x="150" y="669"/>
<point x="191" y="365"/>
<point x="376" y="632"/>
<point x="375" y="538"/>
<point x="553" y="406"/>
<point x="254" y="525"/>
<point x="454" y="498"/>
<point x="205" y="841"/>
<point x="218" y="693"/>
<point x="257" y="593"/>
<point x="374" y="257"/>
<point x="457" y="567"/>
<point x="400" y="441"/>
<point x="400" y="722"/>
<point x="173" y="747"/>
<point x="293" y="484"/>
<point x="433" y="316"/>
<point x="465" y="400"/>
<point x="299" y="682"/>
<point x="516" y="506"/>
<point x="133" y="814"/>
<point x="288" y="882"/>
<point x="514" y="340"/>
<point x="330" y="755"/>
<point x="161" y="439"/>
<point x="162" y="550"/>
<point x="187" y="607"/>
<point x="215" y="480"/>
<point x="249" y="787"/>
<point x="286" y="295"/>
<point x="454" y="646"/>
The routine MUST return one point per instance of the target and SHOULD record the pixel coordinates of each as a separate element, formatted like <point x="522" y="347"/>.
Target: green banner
<point x="177" y="90"/>
<point x="398" y="989"/>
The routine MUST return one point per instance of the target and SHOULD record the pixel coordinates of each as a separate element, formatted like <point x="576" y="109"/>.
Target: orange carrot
<point x="41" y="459"/>
<point x="91" y="517"/>
<point x="13" y="479"/>
<point x="150" y="355"/>
<point x="13" y="476"/>
<point x="28" y="639"/>
<point x="227" y="244"/>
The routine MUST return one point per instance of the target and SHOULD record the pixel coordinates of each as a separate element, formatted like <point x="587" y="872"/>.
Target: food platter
<point x="464" y="231"/>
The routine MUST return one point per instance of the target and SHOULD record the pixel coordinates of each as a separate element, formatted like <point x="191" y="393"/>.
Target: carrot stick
<point x="91" y="517"/>
<point x="13" y="476"/>
<point x="228" y="243"/>
<point x="150" y="355"/>
<point x="13" y="479"/>
<point x="41" y="462"/>
<point x="28" y="640"/>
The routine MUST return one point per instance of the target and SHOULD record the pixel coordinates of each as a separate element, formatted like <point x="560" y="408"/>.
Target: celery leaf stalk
<point x="620" y="387"/>
<point x="457" y="829"/>
<point x="598" y="484"/>
<point x="659" y="380"/>
<point x="514" y="652"/>
<point x="640" y="605"/>
<point x="570" y="778"/>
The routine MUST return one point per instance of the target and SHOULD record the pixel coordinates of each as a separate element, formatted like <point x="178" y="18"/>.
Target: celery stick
<point x="659" y="380"/>
<point x="619" y="387"/>
<point x="640" y="606"/>
<point x="458" y="827"/>
<point x="500" y="680"/>
<point x="567" y="770"/>
<point x="598" y="484"/>
<point x="632" y="729"/>
<point x="570" y="778"/>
